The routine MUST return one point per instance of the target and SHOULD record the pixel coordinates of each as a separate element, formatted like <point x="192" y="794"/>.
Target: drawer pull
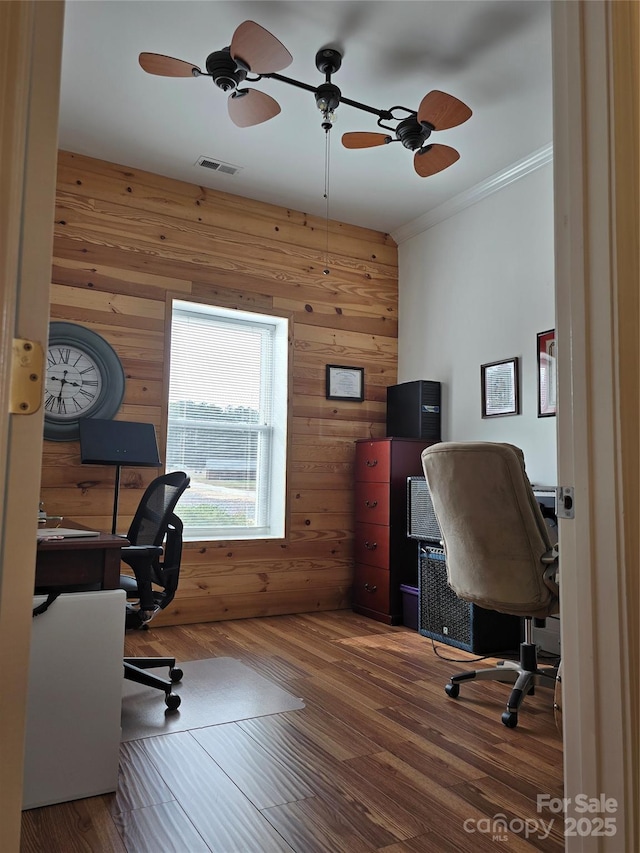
<point x="370" y="587"/>
<point x="371" y="546"/>
<point x="371" y="463"/>
<point x="371" y="504"/>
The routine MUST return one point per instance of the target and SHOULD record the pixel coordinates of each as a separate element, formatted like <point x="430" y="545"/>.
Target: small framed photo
<point x="500" y="388"/>
<point x="345" y="383"/>
<point x="547" y="373"/>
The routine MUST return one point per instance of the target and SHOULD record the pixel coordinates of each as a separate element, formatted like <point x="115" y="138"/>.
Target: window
<point x="227" y="420"/>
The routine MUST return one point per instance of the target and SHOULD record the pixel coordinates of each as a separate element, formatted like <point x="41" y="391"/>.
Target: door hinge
<point x="27" y="373"/>
<point x="564" y="502"/>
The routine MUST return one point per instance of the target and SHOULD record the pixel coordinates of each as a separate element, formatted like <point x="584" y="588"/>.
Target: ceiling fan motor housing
<point x="328" y="60"/>
<point x="224" y="70"/>
<point x="328" y="97"/>
<point x="412" y="134"/>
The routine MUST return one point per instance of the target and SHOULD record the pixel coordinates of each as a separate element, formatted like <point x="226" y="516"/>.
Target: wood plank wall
<point x="125" y="241"/>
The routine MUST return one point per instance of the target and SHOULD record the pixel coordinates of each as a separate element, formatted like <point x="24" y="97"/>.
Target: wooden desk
<point x="86" y="560"/>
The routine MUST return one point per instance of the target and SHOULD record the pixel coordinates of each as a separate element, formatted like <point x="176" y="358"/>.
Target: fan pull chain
<point x="327" y="150"/>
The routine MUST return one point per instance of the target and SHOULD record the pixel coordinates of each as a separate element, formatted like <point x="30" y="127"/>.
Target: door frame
<point x="595" y="78"/>
<point x="30" y="61"/>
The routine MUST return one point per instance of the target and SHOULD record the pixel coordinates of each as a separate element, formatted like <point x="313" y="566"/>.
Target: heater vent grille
<point x="217" y="165"/>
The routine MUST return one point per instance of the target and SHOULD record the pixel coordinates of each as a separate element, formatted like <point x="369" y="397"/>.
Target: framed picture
<point x="345" y="383"/>
<point x="500" y="388"/>
<point x="547" y="374"/>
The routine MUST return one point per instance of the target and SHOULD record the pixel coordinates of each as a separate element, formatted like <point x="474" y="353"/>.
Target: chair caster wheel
<point x="172" y="701"/>
<point x="510" y="719"/>
<point x="452" y="690"/>
<point x="175" y="674"/>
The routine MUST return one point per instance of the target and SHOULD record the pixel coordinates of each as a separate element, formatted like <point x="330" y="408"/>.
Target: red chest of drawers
<point x="384" y="557"/>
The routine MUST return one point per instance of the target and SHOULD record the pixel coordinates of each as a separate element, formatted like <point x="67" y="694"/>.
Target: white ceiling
<point x="494" y="56"/>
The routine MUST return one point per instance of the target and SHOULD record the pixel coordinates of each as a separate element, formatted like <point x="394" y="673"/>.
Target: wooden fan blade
<point x="361" y="139"/>
<point x="249" y="106"/>
<point x="166" y="66"/>
<point x="434" y="159"/>
<point x="260" y="51"/>
<point x="442" y="111"/>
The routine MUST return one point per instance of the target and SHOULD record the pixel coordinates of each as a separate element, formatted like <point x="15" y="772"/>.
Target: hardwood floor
<point x="379" y="759"/>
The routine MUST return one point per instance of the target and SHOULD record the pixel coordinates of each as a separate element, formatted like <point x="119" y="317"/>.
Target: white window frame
<point x="272" y="457"/>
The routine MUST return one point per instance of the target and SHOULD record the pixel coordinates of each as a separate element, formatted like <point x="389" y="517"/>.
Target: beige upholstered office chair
<point x="497" y="548"/>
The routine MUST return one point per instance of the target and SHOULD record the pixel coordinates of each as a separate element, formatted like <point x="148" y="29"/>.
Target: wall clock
<point x="85" y="379"/>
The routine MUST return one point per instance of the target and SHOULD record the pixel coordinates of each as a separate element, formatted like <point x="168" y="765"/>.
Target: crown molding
<point x="542" y="157"/>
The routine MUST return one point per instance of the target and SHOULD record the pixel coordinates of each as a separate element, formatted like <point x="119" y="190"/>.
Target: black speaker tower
<point x="413" y="410"/>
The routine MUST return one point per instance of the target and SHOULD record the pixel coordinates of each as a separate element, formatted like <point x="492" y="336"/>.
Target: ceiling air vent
<point x="217" y="166"/>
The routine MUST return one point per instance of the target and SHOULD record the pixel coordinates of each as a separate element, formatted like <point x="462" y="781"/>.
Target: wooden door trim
<point x="31" y="45"/>
<point x="597" y="569"/>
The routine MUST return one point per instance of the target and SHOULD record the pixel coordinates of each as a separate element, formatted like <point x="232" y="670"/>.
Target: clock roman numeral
<point x="55" y="404"/>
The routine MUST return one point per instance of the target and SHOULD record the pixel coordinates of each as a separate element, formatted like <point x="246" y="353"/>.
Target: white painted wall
<point x="475" y="288"/>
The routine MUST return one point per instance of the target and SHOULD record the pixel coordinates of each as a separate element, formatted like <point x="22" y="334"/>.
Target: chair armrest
<point x="141" y="559"/>
<point x="140" y="555"/>
<point x="141" y="550"/>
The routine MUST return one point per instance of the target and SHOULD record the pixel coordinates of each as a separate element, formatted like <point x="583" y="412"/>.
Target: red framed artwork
<point x="547" y="374"/>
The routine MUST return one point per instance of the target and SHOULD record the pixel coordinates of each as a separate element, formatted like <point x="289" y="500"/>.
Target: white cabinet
<point x="75" y="698"/>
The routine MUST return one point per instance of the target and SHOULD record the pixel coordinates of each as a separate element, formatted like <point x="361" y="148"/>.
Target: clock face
<point x="85" y="379"/>
<point x="73" y="385"/>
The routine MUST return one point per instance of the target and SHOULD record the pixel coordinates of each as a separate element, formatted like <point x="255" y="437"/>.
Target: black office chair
<point x="154" y="555"/>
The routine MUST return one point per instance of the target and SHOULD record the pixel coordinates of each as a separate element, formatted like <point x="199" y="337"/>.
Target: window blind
<point x="221" y="418"/>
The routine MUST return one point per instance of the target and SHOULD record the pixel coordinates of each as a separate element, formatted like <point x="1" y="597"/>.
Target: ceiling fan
<point x="254" y="50"/>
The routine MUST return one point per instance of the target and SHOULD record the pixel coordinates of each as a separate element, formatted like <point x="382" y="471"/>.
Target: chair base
<point x="137" y="619"/>
<point x="135" y="670"/>
<point x="525" y="675"/>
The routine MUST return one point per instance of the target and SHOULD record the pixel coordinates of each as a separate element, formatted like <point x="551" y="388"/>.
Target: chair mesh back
<point x="152" y="517"/>
<point x="166" y="572"/>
